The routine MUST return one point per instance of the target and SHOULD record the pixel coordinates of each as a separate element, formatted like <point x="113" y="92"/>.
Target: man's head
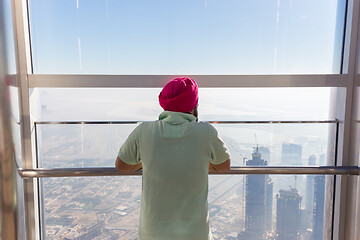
<point x="180" y="95"/>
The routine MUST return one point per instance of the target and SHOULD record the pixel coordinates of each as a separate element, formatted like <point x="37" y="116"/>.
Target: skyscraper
<point x="288" y="217"/>
<point x="319" y="198"/>
<point x="258" y="201"/>
<point x="265" y="154"/>
<point x="268" y="202"/>
<point x="309" y="200"/>
<point x="291" y="154"/>
<point x="322" y="160"/>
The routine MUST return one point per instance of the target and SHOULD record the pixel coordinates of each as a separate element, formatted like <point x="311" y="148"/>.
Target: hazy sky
<point x="111" y="104"/>
<point x="186" y="36"/>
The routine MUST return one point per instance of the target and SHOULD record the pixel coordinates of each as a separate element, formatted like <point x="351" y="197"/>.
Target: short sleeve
<point x="130" y="150"/>
<point x="218" y="150"/>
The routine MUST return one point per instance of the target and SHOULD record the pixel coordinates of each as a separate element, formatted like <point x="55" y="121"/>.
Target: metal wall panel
<point x="8" y="199"/>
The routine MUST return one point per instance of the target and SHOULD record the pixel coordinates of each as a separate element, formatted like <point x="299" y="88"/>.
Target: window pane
<point x="91" y="208"/>
<point x="76" y="146"/>
<point x="187" y="37"/>
<point x="14" y="102"/>
<point x="16" y="134"/>
<point x="97" y="145"/>
<point x="215" y="104"/>
<point x="246" y="206"/>
<point x="20" y="204"/>
<point x="9" y="39"/>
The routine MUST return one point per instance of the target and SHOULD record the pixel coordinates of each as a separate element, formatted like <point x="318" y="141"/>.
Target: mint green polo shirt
<point x="175" y="152"/>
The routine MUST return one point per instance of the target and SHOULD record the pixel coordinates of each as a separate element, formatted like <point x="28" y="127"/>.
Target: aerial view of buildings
<point x="240" y="206"/>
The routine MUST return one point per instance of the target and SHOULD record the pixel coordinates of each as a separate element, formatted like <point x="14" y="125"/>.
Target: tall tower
<point x="322" y="160"/>
<point x="269" y="186"/>
<point x="265" y="154"/>
<point x="319" y="199"/>
<point x="309" y="201"/>
<point x="288" y="218"/>
<point x="258" y="201"/>
<point x="291" y="154"/>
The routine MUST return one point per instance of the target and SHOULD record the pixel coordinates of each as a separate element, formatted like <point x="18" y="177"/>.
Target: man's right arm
<point x="129" y="157"/>
<point x="222" y="167"/>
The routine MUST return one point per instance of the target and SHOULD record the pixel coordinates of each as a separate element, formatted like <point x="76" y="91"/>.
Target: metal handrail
<point x="214" y="122"/>
<point x="110" y="171"/>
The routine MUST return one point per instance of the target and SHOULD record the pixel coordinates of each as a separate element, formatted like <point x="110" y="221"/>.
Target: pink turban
<point x="179" y="95"/>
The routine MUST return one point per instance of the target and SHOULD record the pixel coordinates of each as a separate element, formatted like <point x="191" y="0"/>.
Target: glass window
<point x="9" y="38"/>
<point x="14" y="102"/>
<point x="215" y="104"/>
<point x="16" y="134"/>
<point x="96" y="145"/>
<point x="91" y="208"/>
<point x="187" y="37"/>
<point x="240" y="206"/>
<point x="78" y="146"/>
<point x="20" y="204"/>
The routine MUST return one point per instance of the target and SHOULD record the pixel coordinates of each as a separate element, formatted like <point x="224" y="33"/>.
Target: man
<point x="176" y="152"/>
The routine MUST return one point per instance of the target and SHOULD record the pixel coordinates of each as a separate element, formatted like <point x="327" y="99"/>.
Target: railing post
<point x="24" y="68"/>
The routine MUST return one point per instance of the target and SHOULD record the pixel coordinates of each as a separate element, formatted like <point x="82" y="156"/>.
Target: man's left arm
<point x="219" y="153"/>
<point x="222" y="167"/>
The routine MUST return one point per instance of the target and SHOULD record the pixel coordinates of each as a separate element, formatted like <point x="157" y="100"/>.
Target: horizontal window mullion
<point x="208" y="81"/>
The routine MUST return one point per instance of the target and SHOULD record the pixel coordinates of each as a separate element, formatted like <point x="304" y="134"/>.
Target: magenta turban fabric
<point x="179" y="95"/>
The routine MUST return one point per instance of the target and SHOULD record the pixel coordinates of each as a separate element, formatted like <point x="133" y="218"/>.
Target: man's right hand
<point x="121" y="166"/>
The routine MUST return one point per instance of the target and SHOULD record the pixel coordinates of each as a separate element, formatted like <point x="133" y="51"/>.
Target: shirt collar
<point x="176" y="117"/>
